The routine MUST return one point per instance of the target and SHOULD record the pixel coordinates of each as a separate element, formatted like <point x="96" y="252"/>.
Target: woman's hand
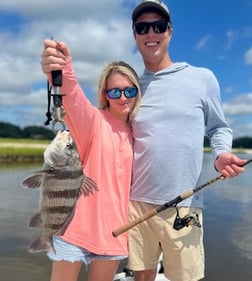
<point x="54" y="56"/>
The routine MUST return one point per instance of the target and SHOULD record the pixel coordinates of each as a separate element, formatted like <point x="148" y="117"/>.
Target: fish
<point x="61" y="182"/>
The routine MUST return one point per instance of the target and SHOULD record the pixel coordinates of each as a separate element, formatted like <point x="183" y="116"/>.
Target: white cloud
<point x="239" y="105"/>
<point x="94" y="41"/>
<point x="248" y="56"/>
<point x="96" y="31"/>
<point x="238" y="112"/>
<point x="231" y="36"/>
<point x="202" y="43"/>
<point x="67" y="10"/>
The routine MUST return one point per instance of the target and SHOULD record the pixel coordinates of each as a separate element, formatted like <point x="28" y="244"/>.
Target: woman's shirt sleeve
<point x="80" y="114"/>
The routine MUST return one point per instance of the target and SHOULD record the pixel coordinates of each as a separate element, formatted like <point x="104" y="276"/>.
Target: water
<point x="227" y="227"/>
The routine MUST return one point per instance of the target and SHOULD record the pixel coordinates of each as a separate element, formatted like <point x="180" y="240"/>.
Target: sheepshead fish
<point x="61" y="182"/>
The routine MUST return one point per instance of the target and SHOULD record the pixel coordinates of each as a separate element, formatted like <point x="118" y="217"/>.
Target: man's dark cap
<point x="151" y="6"/>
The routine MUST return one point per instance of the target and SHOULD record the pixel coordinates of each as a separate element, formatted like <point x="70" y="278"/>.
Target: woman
<point x="104" y="141"/>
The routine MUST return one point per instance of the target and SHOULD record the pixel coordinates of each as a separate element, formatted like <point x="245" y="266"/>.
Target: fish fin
<point x="62" y="230"/>
<point x="39" y="246"/>
<point x="35" y="221"/>
<point x="34" y="181"/>
<point x="88" y="187"/>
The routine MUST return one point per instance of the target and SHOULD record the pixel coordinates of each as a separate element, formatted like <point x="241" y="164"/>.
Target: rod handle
<point x="186" y="194"/>
<point x="130" y="224"/>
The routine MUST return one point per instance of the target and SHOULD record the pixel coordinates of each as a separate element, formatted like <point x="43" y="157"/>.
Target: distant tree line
<point x="243" y="142"/>
<point x="8" y="130"/>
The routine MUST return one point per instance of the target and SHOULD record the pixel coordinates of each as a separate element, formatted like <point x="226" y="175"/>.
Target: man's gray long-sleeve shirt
<point x="180" y="105"/>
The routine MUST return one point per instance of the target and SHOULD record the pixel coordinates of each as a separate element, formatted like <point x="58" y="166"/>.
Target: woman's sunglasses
<point x="116" y="93"/>
<point x="142" y="28"/>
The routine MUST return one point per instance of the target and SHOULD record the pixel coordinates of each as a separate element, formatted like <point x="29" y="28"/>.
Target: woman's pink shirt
<point x="105" y="147"/>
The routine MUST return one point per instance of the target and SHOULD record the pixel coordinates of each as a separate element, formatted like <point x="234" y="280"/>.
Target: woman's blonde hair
<point x="123" y="68"/>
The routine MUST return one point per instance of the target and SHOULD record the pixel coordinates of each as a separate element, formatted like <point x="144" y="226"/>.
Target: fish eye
<point x="69" y="146"/>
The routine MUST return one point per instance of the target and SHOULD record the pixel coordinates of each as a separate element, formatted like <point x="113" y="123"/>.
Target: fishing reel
<point x="191" y="219"/>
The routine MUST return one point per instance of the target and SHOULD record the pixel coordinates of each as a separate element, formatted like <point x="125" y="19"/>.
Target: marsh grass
<point x="21" y="150"/>
<point x="23" y="141"/>
<point x="27" y="147"/>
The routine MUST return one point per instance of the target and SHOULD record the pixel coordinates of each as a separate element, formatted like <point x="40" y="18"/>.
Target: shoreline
<point x="38" y="157"/>
<point x="19" y="159"/>
<point x="19" y="152"/>
<point x="22" y="152"/>
<point x="242" y="150"/>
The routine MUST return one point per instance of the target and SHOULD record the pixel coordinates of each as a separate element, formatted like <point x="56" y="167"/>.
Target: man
<point x="180" y="105"/>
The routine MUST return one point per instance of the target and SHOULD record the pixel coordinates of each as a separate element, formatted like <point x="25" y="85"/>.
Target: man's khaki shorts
<point x="182" y="250"/>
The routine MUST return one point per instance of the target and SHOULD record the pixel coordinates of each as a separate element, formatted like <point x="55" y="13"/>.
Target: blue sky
<point x="214" y="34"/>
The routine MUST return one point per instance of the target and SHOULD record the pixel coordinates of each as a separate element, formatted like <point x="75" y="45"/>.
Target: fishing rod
<point x="172" y="203"/>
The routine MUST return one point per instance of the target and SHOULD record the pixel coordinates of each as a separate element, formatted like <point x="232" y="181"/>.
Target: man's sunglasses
<point x="142" y="28"/>
<point x="116" y="93"/>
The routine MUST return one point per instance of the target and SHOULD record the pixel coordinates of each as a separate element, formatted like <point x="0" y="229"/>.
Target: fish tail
<point x="39" y="246"/>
